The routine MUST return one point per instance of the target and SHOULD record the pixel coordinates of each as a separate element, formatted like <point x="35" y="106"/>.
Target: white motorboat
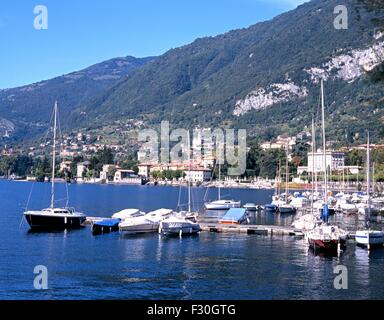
<point x="369" y="238"/>
<point x="178" y="226"/>
<point x="140" y="224"/>
<point x="222" y="204"/>
<point x="159" y="214"/>
<point x="127" y="214"/>
<point x="378" y="200"/>
<point x="251" y="207"/>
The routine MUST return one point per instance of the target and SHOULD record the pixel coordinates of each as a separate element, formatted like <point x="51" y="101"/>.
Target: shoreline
<point x="295" y="187"/>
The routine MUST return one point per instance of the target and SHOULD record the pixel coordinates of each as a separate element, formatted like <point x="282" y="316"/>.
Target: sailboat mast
<point x="54" y="157"/>
<point x="313" y="163"/>
<point x="324" y="144"/>
<point x="286" y="175"/>
<point x="219" y="181"/>
<point x="368" y="178"/>
<point x="190" y="172"/>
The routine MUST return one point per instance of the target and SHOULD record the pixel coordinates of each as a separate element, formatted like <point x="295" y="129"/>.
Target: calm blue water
<point x="208" y="266"/>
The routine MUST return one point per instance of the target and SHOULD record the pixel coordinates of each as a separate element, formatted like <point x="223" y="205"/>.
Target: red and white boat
<point x="327" y="238"/>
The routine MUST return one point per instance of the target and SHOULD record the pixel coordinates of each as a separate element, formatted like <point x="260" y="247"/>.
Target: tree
<point x="300" y="153"/>
<point x="270" y="161"/>
<point x="254" y="156"/>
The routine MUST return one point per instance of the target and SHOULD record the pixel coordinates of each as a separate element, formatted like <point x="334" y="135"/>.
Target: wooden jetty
<point x="267" y="230"/>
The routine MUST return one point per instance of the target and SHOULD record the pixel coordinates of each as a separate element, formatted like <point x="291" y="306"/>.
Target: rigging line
<point x="30" y="195"/>
<point x="60" y="139"/>
<point x="49" y="127"/>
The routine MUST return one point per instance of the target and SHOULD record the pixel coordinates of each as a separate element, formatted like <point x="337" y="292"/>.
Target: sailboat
<point x="273" y="206"/>
<point x="221" y="204"/>
<point x="286" y="208"/>
<point x="54" y="218"/>
<point x="309" y="221"/>
<point x="181" y="223"/>
<point x="369" y="238"/>
<point x="325" y="237"/>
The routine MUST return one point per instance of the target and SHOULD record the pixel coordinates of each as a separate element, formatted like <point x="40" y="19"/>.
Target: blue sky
<point x="84" y="32"/>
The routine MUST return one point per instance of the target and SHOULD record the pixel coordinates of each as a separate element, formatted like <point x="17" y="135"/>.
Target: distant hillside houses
<point x="190" y="173"/>
<point x="281" y="142"/>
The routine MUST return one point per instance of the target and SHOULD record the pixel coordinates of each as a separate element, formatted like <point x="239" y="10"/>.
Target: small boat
<point x="251" y="207"/>
<point x="178" y="226"/>
<point x="127" y="213"/>
<point x="286" y="209"/>
<point x="369" y="238"/>
<point x="140" y="224"/>
<point x="105" y="226"/>
<point x="378" y="200"/>
<point x="270" y="207"/>
<point x="222" y="205"/>
<point x="326" y="238"/>
<point x="234" y="216"/>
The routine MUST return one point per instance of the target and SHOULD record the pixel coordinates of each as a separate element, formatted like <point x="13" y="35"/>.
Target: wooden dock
<point x="266" y="230"/>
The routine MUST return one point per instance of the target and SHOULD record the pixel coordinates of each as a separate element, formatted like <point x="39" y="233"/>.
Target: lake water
<point x="207" y="266"/>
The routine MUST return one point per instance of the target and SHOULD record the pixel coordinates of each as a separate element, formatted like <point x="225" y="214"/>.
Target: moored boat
<point x="105" y="226"/>
<point x="127" y="213"/>
<point x="141" y="224"/>
<point x="327" y="238"/>
<point x="222" y="205"/>
<point x="54" y="218"/>
<point x="234" y="216"/>
<point x="251" y="207"/>
<point x="178" y="226"/>
<point x="369" y="238"/>
<point x="286" y="209"/>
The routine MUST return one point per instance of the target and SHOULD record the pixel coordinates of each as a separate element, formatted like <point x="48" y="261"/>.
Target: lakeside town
<point x="85" y="158"/>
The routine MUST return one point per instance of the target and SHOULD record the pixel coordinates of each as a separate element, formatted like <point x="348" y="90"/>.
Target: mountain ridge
<point x="31" y="105"/>
<point x="263" y="78"/>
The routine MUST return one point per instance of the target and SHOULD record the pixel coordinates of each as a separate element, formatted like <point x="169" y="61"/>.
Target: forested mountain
<point x="264" y="78"/>
<point x="26" y="111"/>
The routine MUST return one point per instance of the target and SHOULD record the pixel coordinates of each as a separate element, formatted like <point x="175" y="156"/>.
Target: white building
<point x="81" y="168"/>
<point x="144" y="170"/>
<point x="128" y="177"/>
<point x="198" y="175"/>
<point x="107" y="168"/>
<point x="334" y="161"/>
